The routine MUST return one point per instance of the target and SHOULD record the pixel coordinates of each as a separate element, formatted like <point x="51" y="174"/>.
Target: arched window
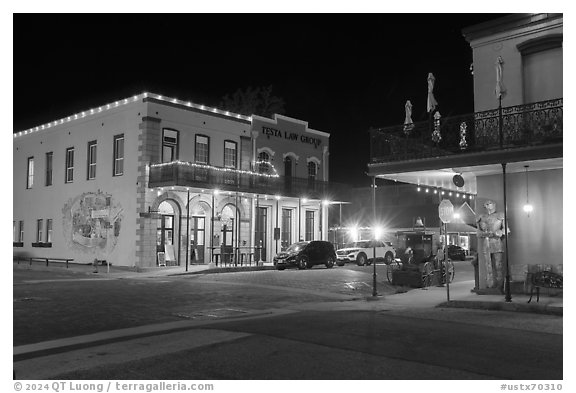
<point x="263" y="162"/>
<point x="312" y="170"/>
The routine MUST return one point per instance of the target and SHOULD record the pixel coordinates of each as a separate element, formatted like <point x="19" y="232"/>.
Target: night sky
<point x="342" y="73"/>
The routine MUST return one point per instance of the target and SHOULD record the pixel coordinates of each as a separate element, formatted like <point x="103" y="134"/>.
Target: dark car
<point x="456" y="252"/>
<point x="306" y="254"/>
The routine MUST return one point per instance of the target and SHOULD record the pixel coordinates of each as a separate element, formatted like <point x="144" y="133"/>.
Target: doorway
<point x="260" y="233"/>
<point x="197" y="239"/>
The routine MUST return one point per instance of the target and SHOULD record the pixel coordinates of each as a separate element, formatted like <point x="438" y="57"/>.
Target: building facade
<point x="509" y="151"/>
<point x="150" y="181"/>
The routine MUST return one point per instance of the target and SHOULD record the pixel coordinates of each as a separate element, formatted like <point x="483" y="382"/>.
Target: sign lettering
<point x="292" y="136"/>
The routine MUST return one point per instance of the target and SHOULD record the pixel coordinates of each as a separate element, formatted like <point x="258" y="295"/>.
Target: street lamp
<point x="374" y="291"/>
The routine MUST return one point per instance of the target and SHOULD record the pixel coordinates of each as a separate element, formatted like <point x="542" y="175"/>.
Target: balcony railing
<point x="190" y="175"/>
<point x="522" y="125"/>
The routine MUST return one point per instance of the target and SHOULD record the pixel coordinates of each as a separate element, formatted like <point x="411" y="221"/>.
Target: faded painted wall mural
<point x="92" y="221"/>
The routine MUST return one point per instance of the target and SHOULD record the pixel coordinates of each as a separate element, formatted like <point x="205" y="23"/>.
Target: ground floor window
<point x="309" y="225"/>
<point x="286" y="235"/>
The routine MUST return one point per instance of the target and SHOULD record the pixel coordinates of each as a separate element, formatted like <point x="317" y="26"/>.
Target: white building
<point x="133" y="182"/>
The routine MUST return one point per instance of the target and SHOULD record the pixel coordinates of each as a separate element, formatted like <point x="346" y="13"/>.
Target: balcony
<point x="184" y="174"/>
<point x="527" y="126"/>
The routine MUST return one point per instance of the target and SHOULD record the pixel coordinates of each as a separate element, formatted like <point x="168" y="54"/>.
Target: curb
<point x="500" y="306"/>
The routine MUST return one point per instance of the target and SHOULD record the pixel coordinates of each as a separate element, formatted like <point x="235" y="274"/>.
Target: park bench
<point x="543" y="279"/>
<point x="41" y="259"/>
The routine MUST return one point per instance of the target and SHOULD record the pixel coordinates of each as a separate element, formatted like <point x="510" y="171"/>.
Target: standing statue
<point x="491" y="227"/>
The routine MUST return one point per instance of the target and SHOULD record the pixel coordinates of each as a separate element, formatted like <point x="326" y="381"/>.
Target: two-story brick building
<point x="149" y="180"/>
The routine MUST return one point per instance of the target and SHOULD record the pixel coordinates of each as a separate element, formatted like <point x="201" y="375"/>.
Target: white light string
<point x="125" y="101"/>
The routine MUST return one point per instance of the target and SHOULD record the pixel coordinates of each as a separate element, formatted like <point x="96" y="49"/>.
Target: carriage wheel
<point x="390" y="269"/>
<point x="427" y="273"/>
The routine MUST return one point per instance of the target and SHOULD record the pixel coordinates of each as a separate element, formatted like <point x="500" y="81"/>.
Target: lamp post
<point x="508" y="295"/>
<point x="446" y="214"/>
<point x="374" y="291"/>
<point x="187" y="226"/>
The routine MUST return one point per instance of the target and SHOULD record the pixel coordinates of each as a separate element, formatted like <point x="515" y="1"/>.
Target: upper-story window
<point x="263" y="162"/>
<point x="288" y="165"/>
<point x="69" y="165"/>
<point x="118" y="163"/>
<point x="91" y="160"/>
<point x="542" y="68"/>
<point x="312" y="170"/>
<point x="169" y="145"/>
<point x="202" y="149"/>
<point x="49" y="157"/>
<point x="30" y="173"/>
<point x="230" y="156"/>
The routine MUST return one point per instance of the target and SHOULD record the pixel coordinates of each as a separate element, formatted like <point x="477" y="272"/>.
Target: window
<point x="49" y="157"/>
<point x="39" y="227"/>
<point x="91" y="160"/>
<point x="49" y="230"/>
<point x="230" y="154"/>
<point x="14" y="231"/>
<point x="118" y="164"/>
<point x="202" y="149"/>
<point x="286" y="227"/>
<point x="69" y="165"/>
<point x="311" y="170"/>
<point x="21" y="235"/>
<point x="169" y="145"/>
<point x="288" y="164"/>
<point x="30" y="177"/>
<point x="309" y="230"/>
<point x="263" y="162"/>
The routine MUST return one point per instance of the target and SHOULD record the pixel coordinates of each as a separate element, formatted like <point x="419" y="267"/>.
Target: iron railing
<point x="189" y="175"/>
<point x="522" y="125"/>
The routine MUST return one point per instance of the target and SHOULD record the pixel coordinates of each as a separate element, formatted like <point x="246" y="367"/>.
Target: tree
<point x="253" y="101"/>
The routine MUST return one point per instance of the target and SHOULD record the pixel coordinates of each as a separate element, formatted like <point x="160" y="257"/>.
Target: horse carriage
<point x="416" y="269"/>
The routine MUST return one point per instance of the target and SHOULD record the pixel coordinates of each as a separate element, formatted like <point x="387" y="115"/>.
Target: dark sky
<point x="342" y="73"/>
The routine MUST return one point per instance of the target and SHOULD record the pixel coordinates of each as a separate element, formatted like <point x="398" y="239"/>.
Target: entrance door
<point x="260" y="235"/>
<point x="164" y="233"/>
<point x="197" y="239"/>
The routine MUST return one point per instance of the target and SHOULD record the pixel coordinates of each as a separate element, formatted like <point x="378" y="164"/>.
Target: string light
<point x="127" y="101"/>
<point x="220" y="169"/>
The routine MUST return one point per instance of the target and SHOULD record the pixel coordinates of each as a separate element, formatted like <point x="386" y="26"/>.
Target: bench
<point x="544" y="279"/>
<point x="47" y="260"/>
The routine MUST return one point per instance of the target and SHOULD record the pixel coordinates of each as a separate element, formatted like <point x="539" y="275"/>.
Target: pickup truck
<point x="362" y="252"/>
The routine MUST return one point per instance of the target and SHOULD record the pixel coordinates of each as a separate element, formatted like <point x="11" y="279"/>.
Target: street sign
<point x="446" y="211"/>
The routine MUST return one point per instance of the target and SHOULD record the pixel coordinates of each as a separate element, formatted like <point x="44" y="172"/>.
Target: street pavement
<point x="63" y="315"/>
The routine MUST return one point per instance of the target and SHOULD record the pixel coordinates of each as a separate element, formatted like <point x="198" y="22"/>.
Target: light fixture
<point x="527" y="207"/>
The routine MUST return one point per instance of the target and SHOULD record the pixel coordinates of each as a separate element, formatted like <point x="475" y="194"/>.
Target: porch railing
<point x="189" y="175"/>
<point x="522" y="125"/>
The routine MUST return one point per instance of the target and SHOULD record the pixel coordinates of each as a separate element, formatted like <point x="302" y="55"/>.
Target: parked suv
<point x="362" y="252"/>
<point x="306" y="254"/>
